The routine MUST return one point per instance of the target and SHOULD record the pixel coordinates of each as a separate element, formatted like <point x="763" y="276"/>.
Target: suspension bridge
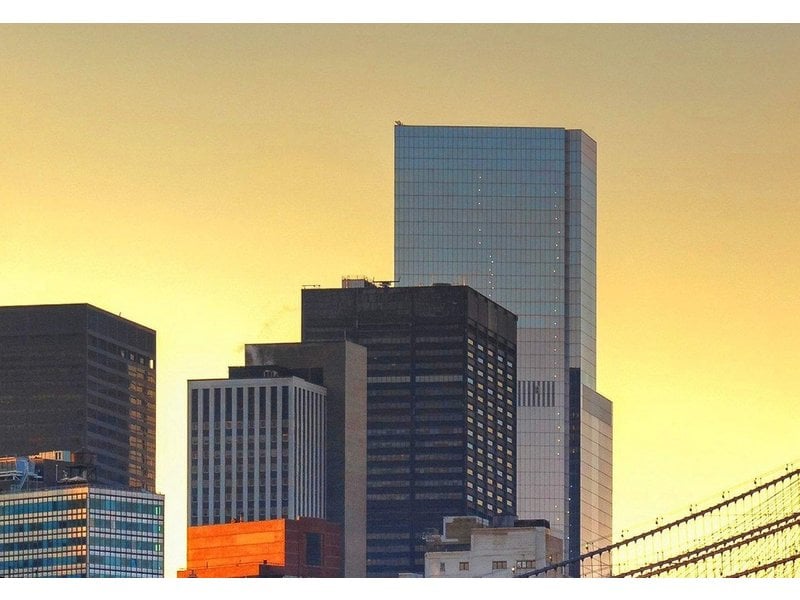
<point x="754" y="531"/>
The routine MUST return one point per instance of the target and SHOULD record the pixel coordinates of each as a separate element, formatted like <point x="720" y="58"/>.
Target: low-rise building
<point x="302" y="547"/>
<point x="470" y="547"/>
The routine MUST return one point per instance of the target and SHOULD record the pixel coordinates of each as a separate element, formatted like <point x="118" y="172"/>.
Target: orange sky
<point x="193" y="178"/>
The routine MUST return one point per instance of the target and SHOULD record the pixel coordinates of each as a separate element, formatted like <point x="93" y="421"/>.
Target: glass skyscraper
<point x="511" y="212"/>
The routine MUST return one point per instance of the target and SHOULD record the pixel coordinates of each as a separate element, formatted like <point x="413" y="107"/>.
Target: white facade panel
<point x="256" y="449"/>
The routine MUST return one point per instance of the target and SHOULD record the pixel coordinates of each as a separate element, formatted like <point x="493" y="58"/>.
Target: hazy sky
<point x="193" y="178"/>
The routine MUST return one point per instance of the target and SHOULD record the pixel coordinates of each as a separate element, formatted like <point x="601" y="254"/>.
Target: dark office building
<point x="342" y="368"/>
<point x="441" y="420"/>
<point x="77" y="378"/>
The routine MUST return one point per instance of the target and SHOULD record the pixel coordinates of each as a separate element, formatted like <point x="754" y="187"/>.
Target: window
<point x="498" y="565"/>
<point x="463" y="566"/>
<point x="314" y="549"/>
<point x="526" y="564"/>
<point x="441" y="567"/>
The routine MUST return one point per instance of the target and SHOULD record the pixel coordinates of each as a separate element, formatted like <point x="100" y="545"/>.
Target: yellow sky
<point x="193" y="178"/>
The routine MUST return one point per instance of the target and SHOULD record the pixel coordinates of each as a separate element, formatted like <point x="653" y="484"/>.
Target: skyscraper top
<point x="463" y="130"/>
<point x="79" y="378"/>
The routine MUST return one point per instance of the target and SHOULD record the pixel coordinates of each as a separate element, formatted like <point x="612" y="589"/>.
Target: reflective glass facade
<point x="511" y="212"/>
<point x="81" y="531"/>
<point x="595" y="479"/>
<point x="75" y="377"/>
<point x="441" y="420"/>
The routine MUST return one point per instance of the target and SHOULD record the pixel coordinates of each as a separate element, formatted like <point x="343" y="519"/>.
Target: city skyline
<point x="229" y="166"/>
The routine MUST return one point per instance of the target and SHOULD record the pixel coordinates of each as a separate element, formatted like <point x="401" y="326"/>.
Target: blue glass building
<point x="511" y="212"/>
<point x="81" y="531"/>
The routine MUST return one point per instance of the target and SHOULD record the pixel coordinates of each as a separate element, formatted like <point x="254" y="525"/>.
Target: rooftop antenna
<point x="386" y="283"/>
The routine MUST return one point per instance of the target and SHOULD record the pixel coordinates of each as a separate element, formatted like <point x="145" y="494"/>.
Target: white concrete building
<point x="470" y="548"/>
<point x="256" y="447"/>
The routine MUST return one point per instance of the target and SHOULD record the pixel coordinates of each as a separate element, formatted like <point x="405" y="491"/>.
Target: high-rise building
<point x="511" y="212"/>
<point x="81" y="530"/>
<point x="440" y="408"/>
<point x="256" y="447"/>
<point x="77" y="378"/>
<point x="341" y="367"/>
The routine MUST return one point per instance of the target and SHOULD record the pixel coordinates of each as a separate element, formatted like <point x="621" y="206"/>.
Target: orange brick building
<point x="303" y="547"/>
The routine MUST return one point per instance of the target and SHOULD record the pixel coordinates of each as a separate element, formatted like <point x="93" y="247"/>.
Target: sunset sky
<point x="194" y="177"/>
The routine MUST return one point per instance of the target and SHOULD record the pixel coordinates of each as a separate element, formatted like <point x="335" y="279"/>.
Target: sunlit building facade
<point x="301" y="547"/>
<point x="81" y="531"/>
<point x="256" y="447"/>
<point x="511" y="212"/>
<point x="78" y="378"/>
<point x="441" y="367"/>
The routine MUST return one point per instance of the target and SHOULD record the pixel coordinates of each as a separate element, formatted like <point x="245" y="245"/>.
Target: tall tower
<point x="511" y="212"/>
<point x="75" y="377"/>
<point x="440" y="408"/>
<point x="256" y="447"/>
<point x="341" y="367"/>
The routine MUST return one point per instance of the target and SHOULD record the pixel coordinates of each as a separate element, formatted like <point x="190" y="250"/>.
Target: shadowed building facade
<point x="440" y="407"/>
<point x="75" y="377"/>
<point x="511" y="212"/>
<point x="341" y="367"/>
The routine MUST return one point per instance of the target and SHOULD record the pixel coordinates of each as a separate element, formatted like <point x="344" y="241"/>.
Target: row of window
<point x="139" y="506"/>
<point x="28" y="507"/>
<point x="11" y="528"/>
<point x="127" y="562"/>
<point x="519" y="181"/>
<point x="497" y="565"/>
<point x="44" y="562"/>
<point x="116" y="350"/>
<point x="459" y="195"/>
<point x="129" y="526"/>
<point x="480" y="503"/>
<point x="127" y="543"/>
<point x="499" y="147"/>
<point x="42" y="545"/>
